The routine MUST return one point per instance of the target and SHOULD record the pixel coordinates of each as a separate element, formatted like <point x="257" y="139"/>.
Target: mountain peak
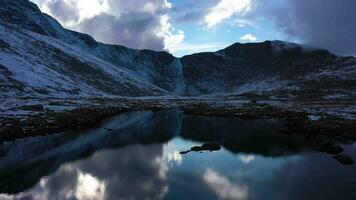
<point x="275" y="45"/>
<point x="26" y="15"/>
<point x="271" y="49"/>
<point x="24" y="4"/>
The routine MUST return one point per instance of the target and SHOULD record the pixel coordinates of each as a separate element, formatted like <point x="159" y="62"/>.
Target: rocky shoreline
<point x="324" y="134"/>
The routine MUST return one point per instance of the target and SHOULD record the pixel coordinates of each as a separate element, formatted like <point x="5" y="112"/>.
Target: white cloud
<point x="226" y="9"/>
<point x="248" y="38"/>
<point x="172" y="38"/>
<point x="89" y="187"/>
<point x="140" y="24"/>
<point x="88" y="8"/>
<point x="224" y="188"/>
<point x="169" y="159"/>
<point x="83" y="9"/>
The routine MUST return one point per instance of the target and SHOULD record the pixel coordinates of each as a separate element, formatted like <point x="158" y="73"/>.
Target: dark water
<point x="136" y="156"/>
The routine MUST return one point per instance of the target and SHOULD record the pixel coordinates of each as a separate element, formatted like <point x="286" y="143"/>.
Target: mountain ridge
<point x="86" y="67"/>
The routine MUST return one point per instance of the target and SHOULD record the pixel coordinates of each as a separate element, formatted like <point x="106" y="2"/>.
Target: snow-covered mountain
<point x="38" y="57"/>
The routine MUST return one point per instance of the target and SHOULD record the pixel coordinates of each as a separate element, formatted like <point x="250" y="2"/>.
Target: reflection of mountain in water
<point x="27" y="161"/>
<point x="240" y="136"/>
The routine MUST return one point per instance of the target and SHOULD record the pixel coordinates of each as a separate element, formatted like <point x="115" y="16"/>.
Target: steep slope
<point x="159" y="68"/>
<point x="39" y="57"/>
<point x="38" y="64"/>
<point x="270" y="68"/>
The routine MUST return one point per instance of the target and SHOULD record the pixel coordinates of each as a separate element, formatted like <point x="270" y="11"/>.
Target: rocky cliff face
<point x="40" y="57"/>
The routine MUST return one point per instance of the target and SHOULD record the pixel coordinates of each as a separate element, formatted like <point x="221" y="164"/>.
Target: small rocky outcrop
<point x="211" y="146"/>
<point x="344" y="159"/>
<point x="334" y="150"/>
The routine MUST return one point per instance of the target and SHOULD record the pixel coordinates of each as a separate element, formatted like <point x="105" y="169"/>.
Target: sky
<point x="185" y="26"/>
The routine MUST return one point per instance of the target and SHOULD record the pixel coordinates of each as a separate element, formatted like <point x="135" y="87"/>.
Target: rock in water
<point x="344" y="159"/>
<point x="211" y="147"/>
<point x="205" y="147"/>
<point x="330" y="149"/>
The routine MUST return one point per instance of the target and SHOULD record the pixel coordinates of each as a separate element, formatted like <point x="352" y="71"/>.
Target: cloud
<point x="328" y="24"/>
<point x="248" y="38"/>
<point x="71" y="12"/>
<point x="243" y="23"/>
<point x="140" y="24"/>
<point x="187" y="11"/>
<point x="132" y="30"/>
<point x="151" y="23"/>
<point x="64" y="11"/>
<point x="226" y="9"/>
<point x="172" y="38"/>
<point x="213" y="12"/>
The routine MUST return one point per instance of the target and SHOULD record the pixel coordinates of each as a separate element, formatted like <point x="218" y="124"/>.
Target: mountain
<point x="270" y="68"/>
<point x="38" y="57"/>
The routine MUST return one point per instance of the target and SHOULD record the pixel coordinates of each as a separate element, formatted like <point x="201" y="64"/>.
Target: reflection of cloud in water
<point x="247" y="158"/>
<point x="223" y="187"/>
<point x="89" y="188"/>
<point x="168" y="160"/>
<point x="136" y="172"/>
<point x="80" y="186"/>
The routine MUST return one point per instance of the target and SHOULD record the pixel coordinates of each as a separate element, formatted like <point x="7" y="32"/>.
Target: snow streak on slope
<point x="44" y="65"/>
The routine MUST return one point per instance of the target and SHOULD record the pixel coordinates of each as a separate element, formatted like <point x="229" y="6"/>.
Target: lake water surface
<point x="137" y="156"/>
